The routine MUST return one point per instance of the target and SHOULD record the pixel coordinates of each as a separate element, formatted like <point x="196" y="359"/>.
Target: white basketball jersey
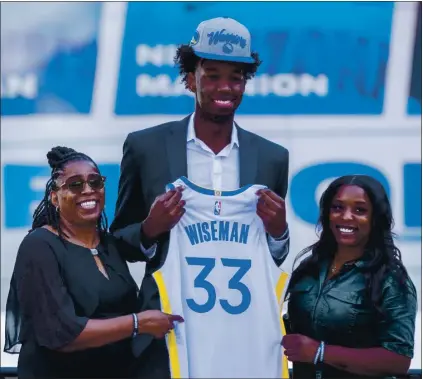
<point x="220" y="277"/>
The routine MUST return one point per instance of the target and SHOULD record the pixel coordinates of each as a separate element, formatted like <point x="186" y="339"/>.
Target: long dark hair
<point x="381" y="255"/>
<point x="46" y="214"/>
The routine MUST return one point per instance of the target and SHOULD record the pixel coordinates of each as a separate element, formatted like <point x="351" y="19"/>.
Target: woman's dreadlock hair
<point x="46" y="214"/>
<point x="186" y="61"/>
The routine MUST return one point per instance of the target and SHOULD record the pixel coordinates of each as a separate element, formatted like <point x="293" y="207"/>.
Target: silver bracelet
<point x="322" y="351"/>
<point x="318" y="353"/>
<point x="319" y="359"/>
<point x="135" y="331"/>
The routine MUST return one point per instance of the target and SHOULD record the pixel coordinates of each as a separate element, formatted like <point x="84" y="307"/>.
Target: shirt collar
<point x="192" y="137"/>
<point x="359" y="263"/>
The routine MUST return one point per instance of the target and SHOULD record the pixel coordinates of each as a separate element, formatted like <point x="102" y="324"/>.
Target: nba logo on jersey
<point x="217" y="207"/>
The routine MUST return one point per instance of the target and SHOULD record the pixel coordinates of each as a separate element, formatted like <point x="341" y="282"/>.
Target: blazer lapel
<point x="176" y="148"/>
<point x="248" y="156"/>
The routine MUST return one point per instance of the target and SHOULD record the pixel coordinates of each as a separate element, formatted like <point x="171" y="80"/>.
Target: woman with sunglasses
<point x="72" y="307"/>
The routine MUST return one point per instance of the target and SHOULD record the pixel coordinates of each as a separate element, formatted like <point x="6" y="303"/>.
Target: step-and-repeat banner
<point x="340" y="87"/>
<point x="317" y="58"/>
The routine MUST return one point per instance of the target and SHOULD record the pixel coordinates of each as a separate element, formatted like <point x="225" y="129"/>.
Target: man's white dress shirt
<point x="219" y="172"/>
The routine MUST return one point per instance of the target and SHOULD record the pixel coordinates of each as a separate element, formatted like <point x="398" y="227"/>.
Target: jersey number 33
<point x="208" y="264"/>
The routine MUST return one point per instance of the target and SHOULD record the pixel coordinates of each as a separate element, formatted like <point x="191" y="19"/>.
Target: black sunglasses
<point x="96" y="182"/>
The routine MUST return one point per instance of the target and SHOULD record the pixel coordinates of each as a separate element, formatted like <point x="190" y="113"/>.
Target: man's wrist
<point x="146" y="240"/>
<point x="283" y="235"/>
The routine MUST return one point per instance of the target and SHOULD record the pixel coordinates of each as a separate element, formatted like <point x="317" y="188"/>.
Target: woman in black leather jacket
<point x="351" y="303"/>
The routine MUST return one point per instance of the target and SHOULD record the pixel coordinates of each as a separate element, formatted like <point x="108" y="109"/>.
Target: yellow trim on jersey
<point x="175" y="367"/>
<point x="280" y="291"/>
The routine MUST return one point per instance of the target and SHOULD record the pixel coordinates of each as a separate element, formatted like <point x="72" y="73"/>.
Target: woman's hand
<point x="299" y="348"/>
<point x="156" y="323"/>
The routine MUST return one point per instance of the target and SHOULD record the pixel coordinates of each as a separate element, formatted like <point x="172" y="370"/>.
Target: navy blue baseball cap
<point x="223" y="39"/>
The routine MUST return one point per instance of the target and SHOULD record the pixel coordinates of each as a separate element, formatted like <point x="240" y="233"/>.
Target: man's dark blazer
<point x="156" y="156"/>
